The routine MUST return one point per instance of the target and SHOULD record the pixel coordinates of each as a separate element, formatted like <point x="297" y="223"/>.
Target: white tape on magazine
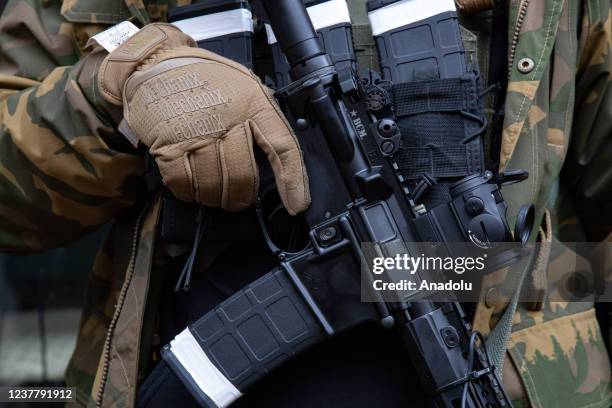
<point x="217" y="24"/>
<point x="406" y="12"/>
<point x="208" y="377"/>
<point x="322" y="15"/>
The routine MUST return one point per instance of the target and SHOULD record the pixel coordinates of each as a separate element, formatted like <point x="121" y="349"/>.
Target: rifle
<point x="357" y="198"/>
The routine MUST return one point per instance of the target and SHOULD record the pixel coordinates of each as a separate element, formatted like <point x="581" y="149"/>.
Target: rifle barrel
<point x="296" y="36"/>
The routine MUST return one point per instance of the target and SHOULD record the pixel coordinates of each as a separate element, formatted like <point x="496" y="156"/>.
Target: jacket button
<point x="491" y="298"/>
<point x="526" y="65"/>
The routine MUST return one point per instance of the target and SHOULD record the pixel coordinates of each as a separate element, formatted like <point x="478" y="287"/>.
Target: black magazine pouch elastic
<point x="224" y="27"/>
<point x="435" y="94"/>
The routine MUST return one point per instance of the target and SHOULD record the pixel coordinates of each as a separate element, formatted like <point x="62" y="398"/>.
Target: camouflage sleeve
<point x="588" y="171"/>
<point x="63" y="168"/>
<point x="59" y="179"/>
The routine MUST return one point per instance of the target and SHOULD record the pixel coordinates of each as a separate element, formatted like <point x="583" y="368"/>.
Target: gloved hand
<point x="199" y="114"/>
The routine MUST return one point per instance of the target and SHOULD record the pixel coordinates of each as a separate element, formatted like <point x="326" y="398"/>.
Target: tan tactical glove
<point x="199" y="113"/>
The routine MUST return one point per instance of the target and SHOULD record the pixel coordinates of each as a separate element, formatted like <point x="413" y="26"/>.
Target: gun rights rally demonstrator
<point x="267" y="166"/>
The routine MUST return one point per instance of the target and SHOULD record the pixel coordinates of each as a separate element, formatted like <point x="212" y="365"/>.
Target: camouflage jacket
<point x="64" y="171"/>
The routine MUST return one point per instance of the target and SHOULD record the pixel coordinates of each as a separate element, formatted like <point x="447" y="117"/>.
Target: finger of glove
<point x="177" y="175"/>
<point x="239" y="169"/>
<point x="208" y="175"/>
<point x="274" y="136"/>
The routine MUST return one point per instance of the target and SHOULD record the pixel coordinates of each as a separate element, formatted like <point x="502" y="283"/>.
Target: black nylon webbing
<point x="444" y="95"/>
<point x="437" y="161"/>
<point x="438" y="120"/>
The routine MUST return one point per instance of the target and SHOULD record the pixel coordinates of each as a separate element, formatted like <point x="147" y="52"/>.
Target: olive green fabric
<point x="555" y="347"/>
<point x="65" y="170"/>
